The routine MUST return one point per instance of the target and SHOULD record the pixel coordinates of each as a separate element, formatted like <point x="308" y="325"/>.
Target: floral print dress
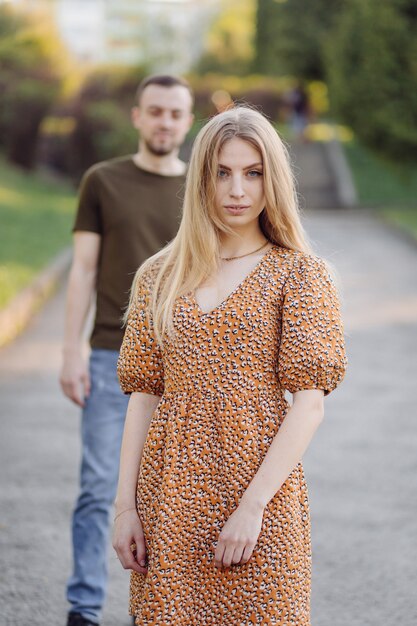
<point x="222" y="376"/>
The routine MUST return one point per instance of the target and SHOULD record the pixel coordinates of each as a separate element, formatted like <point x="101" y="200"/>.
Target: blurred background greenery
<point x="69" y="70"/>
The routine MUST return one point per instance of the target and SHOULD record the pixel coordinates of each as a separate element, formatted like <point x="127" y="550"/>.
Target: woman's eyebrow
<point x="247" y="167"/>
<point x="259" y="164"/>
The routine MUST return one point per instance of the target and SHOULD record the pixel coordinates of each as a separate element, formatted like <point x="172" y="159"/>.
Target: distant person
<point x="129" y="208"/>
<point x="300" y="111"/>
<point x="212" y="512"/>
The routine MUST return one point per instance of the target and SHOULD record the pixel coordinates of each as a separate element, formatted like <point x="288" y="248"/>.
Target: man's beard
<point x="160" y="150"/>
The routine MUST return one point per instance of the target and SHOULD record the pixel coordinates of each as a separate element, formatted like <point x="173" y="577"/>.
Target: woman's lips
<point x="236" y="209"/>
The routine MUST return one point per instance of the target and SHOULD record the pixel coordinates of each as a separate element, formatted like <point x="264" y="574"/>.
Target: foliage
<point x="372" y="74"/>
<point x="102" y="131"/>
<point x="264" y="92"/>
<point x="267" y="93"/>
<point x="114" y="134"/>
<point x="117" y="83"/>
<point x="380" y="182"/>
<point x="101" y="127"/>
<point x="404" y="218"/>
<point x="29" y="83"/>
<point x="290" y="36"/>
<point x="391" y="188"/>
<point x="36" y="223"/>
<point x="229" y="42"/>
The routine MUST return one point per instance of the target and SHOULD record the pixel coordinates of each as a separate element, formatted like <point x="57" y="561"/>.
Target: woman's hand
<point x="239" y="535"/>
<point x="129" y="542"/>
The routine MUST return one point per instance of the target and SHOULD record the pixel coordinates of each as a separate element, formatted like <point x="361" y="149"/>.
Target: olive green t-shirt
<point x="136" y="213"/>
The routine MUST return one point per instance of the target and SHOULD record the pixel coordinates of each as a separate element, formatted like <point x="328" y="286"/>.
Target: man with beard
<point x="128" y="209"/>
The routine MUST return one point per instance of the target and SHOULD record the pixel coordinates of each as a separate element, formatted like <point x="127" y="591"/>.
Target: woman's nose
<point x="237" y="188"/>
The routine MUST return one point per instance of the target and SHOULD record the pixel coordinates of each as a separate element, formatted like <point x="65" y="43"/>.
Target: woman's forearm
<point x="138" y="417"/>
<point x="286" y="449"/>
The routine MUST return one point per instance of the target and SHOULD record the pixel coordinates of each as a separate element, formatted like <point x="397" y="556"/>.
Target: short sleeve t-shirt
<point x="136" y="213"/>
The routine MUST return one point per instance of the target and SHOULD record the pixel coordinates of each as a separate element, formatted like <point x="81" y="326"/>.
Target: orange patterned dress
<point x="222" y="377"/>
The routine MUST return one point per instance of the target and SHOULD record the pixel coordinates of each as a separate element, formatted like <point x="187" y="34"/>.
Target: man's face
<point x="163" y="117"/>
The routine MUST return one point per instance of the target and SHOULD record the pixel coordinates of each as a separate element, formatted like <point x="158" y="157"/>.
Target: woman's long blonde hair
<point x="193" y="255"/>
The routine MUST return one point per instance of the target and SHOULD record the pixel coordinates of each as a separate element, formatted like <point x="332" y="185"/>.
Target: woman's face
<point x="239" y="196"/>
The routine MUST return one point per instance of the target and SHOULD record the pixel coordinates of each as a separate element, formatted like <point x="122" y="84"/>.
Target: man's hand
<point x="74" y="378"/>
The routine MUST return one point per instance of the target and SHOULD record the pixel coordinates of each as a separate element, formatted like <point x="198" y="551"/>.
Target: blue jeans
<point x="102" y="427"/>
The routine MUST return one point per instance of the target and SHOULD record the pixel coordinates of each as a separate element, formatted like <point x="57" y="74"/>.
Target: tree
<point x="29" y="83"/>
<point x="290" y="35"/>
<point x="372" y="74"/>
<point x="229" y="43"/>
<point x="101" y="113"/>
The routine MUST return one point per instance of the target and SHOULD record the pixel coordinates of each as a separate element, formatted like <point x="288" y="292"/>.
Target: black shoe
<point x="76" y="619"/>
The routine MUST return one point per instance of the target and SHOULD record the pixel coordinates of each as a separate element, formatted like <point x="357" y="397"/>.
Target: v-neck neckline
<point x="238" y="287"/>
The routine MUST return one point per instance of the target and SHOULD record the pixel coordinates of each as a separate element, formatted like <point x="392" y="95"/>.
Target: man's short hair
<point x="164" y="80"/>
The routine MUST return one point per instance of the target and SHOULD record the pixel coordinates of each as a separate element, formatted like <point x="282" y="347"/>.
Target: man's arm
<point x="74" y="379"/>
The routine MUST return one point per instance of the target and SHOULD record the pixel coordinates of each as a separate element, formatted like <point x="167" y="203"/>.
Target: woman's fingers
<point x="139" y="551"/>
<point x="129" y="541"/>
<point x="218" y="555"/>
<point x="247" y="553"/>
<point x="127" y="558"/>
<point x="238" y="537"/>
<point x="228" y="555"/>
<point x="125" y="555"/>
<point x="237" y="555"/>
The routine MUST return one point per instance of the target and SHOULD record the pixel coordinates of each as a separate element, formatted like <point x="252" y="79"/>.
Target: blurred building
<point x="167" y="35"/>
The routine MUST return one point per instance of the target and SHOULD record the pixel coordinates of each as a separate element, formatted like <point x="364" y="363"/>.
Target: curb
<point x="400" y="231"/>
<point x="342" y="175"/>
<point x="18" y="313"/>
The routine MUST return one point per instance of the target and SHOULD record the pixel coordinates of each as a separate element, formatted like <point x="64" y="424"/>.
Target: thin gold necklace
<point x="233" y="258"/>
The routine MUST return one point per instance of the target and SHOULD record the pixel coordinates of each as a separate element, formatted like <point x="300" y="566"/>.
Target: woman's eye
<point x="222" y="174"/>
<point x="254" y="173"/>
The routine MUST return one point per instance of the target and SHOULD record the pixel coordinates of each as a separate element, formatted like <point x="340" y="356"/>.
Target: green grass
<point x="392" y="189"/>
<point x="35" y="224"/>
<point x="406" y="219"/>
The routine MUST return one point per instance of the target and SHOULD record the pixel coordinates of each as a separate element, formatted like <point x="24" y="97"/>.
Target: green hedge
<point x="36" y="218"/>
<point x="372" y="75"/>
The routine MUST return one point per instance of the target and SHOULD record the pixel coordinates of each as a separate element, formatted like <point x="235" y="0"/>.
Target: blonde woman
<point x="212" y="508"/>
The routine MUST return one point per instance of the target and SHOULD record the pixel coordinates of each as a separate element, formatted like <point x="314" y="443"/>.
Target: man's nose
<point x="166" y="120"/>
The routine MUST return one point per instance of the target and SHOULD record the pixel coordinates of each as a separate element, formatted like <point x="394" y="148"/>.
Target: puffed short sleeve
<point x="312" y="350"/>
<point x="140" y="366"/>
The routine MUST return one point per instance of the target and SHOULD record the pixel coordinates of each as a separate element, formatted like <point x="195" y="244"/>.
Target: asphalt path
<point x="361" y="467"/>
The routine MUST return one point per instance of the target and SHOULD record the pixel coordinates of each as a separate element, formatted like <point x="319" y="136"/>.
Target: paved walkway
<point x="316" y="182"/>
<point x="361" y="468"/>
